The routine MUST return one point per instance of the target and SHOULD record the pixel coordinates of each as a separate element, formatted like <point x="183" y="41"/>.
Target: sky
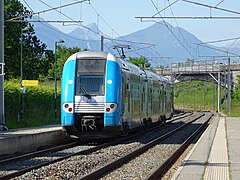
<point x="117" y="18"/>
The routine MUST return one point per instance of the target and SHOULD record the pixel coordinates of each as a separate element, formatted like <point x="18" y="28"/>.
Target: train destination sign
<point x="1" y="69"/>
<point x="29" y="82"/>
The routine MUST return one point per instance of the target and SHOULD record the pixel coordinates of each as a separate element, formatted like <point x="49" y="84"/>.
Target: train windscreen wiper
<point x="86" y="94"/>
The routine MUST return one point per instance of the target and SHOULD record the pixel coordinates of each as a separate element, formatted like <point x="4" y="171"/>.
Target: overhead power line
<point x="47" y="10"/>
<point x="184" y="39"/>
<point x="135" y="48"/>
<point x="62" y="6"/>
<point x="196" y="17"/>
<point x="114" y="41"/>
<point x="227" y="52"/>
<point x="190" y="17"/>
<point x="45" y="21"/>
<point x="165" y="8"/>
<point x="219" y="3"/>
<point x="172" y="31"/>
<point x="27" y="5"/>
<point x="217" y="41"/>
<point x="212" y="7"/>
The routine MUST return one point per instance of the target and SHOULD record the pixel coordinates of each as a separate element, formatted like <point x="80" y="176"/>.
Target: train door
<point x="123" y="93"/>
<point x="142" y="101"/>
<point x="129" y="99"/>
<point x="146" y="85"/>
<point x="144" y="92"/>
<point x="163" y="99"/>
<point x="150" y="100"/>
<point x="126" y="113"/>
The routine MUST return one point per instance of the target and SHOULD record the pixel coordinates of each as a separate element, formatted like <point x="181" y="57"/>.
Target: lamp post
<point x="55" y="78"/>
<point x="27" y="28"/>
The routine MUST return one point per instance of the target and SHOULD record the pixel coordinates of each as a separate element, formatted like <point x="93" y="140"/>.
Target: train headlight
<point x="66" y="105"/>
<point x="112" y="106"/>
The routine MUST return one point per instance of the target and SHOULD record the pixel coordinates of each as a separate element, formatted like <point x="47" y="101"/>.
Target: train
<point x="105" y="96"/>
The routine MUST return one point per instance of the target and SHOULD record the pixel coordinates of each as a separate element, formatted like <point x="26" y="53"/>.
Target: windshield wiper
<point x="86" y="94"/>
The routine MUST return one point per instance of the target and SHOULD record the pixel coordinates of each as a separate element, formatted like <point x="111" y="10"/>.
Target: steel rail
<point x="84" y="152"/>
<point x="168" y="163"/>
<point x="25" y="170"/>
<point x="34" y="154"/>
<point x="99" y="172"/>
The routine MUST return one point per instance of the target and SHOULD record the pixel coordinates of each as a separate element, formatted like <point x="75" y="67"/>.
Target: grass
<point x="191" y="95"/>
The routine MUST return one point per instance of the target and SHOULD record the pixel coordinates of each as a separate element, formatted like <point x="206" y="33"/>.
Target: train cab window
<point x="92" y="85"/>
<point x="91" y="66"/>
<point x="90" y="77"/>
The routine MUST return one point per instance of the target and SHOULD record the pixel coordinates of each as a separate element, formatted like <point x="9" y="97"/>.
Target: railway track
<point x="161" y="169"/>
<point x="125" y="159"/>
<point x="82" y="152"/>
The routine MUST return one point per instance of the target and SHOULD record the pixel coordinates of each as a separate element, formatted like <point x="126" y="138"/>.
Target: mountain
<point x="172" y="43"/>
<point x="79" y="37"/>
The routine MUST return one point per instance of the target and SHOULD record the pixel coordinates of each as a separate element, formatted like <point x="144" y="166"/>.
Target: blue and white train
<point x="103" y="95"/>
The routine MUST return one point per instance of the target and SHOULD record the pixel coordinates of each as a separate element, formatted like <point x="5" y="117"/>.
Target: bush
<point x="37" y="105"/>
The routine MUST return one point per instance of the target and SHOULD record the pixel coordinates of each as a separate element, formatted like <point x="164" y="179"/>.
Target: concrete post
<point x="219" y="92"/>
<point x="225" y="90"/>
<point x="229" y="88"/>
<point x="204" y="95"/>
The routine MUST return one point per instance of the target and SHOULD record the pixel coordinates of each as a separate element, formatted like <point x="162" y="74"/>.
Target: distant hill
<point x="158" y="34"/>
<point x="79" y="37"/>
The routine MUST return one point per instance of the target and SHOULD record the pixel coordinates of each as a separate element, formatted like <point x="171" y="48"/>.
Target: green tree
<point x="12" y="37"/>
<point x="236" y="92"/>
<point x="63" y="53"/>
<point x="141" y="61"/>
<point x="34" y="62"/>
<point x="32" y="48"/>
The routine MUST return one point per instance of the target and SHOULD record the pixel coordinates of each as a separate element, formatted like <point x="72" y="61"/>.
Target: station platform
<point x="30" y="139"/>
<point x="216" y="155"/>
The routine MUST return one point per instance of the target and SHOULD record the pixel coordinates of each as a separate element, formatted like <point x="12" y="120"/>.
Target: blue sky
<point x="120" y="16"/>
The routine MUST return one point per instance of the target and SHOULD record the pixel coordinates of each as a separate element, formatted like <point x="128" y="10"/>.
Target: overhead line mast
<point x="2" y="113"/>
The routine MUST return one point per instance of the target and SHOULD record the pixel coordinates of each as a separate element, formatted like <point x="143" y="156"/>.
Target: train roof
<point x="125" y="65"/>
<point x="166" y="80"/>
<point x="132" y="68"/>
<point x="91" y="54"/>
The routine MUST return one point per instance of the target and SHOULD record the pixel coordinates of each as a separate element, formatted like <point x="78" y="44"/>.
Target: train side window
<point x="123" y="95"/>
<point x="143" y="95"/>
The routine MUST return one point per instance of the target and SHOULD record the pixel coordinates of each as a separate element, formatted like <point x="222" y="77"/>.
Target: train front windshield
<point x="90" y="77"/>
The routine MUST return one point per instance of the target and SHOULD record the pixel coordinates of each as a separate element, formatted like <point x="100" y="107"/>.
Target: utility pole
<point x="204" y="95"/>
<point x="225" y="91"/>
<point x="229" y="88"/>
<point x="194" y="97"/>
<point x="219" y="92"/>
<point x="2" y="114"/>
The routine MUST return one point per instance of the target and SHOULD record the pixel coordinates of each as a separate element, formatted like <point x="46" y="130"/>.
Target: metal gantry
<point x="220" y="72"/>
